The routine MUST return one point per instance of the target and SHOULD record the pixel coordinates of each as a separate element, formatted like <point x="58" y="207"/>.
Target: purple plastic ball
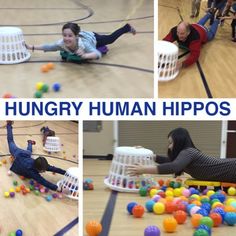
<point x="152" y="230"/>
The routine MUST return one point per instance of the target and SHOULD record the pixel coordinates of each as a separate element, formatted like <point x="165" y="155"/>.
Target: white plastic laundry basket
<point x="12" y="46"/>
<point x="71" y="182"/>
<point x="167" y="54"/>
<point x="118" y="179"/>
<point x="52" y="144"/>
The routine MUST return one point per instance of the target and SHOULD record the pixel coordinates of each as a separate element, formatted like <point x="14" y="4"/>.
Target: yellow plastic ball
<point x="231" y="191"/>
<point x="6" y="194"/>
<point x="39" y="86"/>
<point x="158" y="208"/>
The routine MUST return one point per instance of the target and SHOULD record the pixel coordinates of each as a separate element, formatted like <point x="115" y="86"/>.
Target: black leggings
<point x="233" y="25"/>
<point x="103" y="40"/>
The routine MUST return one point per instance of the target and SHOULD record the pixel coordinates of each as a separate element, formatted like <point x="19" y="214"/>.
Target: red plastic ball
<point x="138" y="211"/>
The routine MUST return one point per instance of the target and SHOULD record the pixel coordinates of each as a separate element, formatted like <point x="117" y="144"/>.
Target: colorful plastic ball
<point x="230" y="218"/>
<point x="195" y="220"/>
<point x="39" y="86"/>
<point x="6" y="194"/>
<point x="44" y="68"/>
<point x="180" y="216"/>
<point x="231" y="191"/>
<point x="50" y="65"/>
<point x="169" y="224"/>
<point x="205" y="227"/>
<point x="7" y="95"/>
<point x="205" y="220"/>
<point x="200" y="232"/>
<point x="153" y="192"/>
<point x="12" y="234"/>
<point x="149" y="205"/>
<point x="143" y="191"/>
<point x="194" y="210"/>
<point x="186" y="193"/>
<point x="38" y="94"/>
<point x="45" y="88"/>
<point x="36" y="192"/>
<point x="156" y="198"/>
<point x="152" y="231"/>
<point x="138" y="211"/>
<point x="217" y="219"/>
<point x="170" y="207"/>
<point x="49" y="198"/>
<point x="161" y="182"/>
<point x="56" y="87"/>
<point x="12" y="194"/>
<point x="15" y="183"/>
<point x="93" y="228"/>
<point x="220" y="211"/>
<point x="19" y="232"/>
<point x="130" y="207"/>
<point x="202" y="212"/>
<point x="159" y="208"/>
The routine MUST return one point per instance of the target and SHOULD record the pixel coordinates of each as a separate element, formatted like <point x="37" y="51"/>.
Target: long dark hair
<point x="181" y="140"/>
<point x="73" y="27"/>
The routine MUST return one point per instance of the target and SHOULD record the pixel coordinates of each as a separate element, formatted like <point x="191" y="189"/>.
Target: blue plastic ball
<point x="130" y="207"/>
<point x="230" y="218"/>
<point x="152" y="231"/>
<point x="19" y="232"/>
<point x="219" y="211"/>
<point x="203" y="212"/>
<point x="149" y="205"/>
<point x="56" y="87"/>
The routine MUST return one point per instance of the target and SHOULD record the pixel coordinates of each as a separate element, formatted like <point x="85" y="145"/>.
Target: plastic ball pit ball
<point x="159" y="208"/>
<point x="169" y="224"/>
<point x="152" y="231"/>
<point x="206" y="221"/>
<point x="93" y="228"/>
<point x="138" y="211"/>
<point x="180" y="216"/>
<point x="56" y="87"/>
<point x="230" y="218"/>
<point x="130" y="207"/>
<point x="200" y="232"/>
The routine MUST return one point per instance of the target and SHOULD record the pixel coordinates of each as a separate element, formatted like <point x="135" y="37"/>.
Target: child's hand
<point x="134" y="170"/>
<point x="80" y="52"/>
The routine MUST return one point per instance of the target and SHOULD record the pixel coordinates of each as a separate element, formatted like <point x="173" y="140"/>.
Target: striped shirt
<point x="86" y="41"/>
<point x="199" y="165"/>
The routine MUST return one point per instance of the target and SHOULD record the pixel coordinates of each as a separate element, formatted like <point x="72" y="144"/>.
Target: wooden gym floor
<point x="30" y="213"/>
<point x="216" y="62"/>
<point x="125" y="72"/>
<point x="96" y="202"/>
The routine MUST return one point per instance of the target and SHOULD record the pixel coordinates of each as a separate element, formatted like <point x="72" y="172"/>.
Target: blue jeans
<point x="11" y="144"/>
<point x="211" y="32"/>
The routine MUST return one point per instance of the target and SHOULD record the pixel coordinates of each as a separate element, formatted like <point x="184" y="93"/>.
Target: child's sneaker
<point x="32" y="142"/>
<point x="132" y="30"/>
<point x="234" y="40"/>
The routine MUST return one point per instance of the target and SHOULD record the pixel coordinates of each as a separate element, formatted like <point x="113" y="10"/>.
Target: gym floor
<point x="33" y="214"/>
<point x="125" y="72"/>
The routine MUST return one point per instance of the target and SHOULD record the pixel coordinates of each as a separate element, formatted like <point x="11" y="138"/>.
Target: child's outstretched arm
<point x="34" y="47"/>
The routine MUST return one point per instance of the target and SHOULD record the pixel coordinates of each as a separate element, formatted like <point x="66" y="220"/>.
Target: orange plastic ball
<point x="44" y="68"/>
<point x="7" y="95"/>
<point x="217" y="219"/>
<point x="169" y="224"/>
<point x="161" y="182"/>
<point x="93" y="228"/>
<point x="180" y="216"/>
<point x="195" y="220"/>
<point x="51" y="65"/>
<point x="138" y="211"/>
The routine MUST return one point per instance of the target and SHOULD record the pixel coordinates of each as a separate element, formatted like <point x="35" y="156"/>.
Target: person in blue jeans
<point x="84" y="44"/>
<point x="24" y="165"/>
<point x="191" y="37"/>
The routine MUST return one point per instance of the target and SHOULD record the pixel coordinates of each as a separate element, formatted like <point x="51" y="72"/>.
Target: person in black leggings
<point x="183" y="156"/>
<point x="84" y="44"/>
